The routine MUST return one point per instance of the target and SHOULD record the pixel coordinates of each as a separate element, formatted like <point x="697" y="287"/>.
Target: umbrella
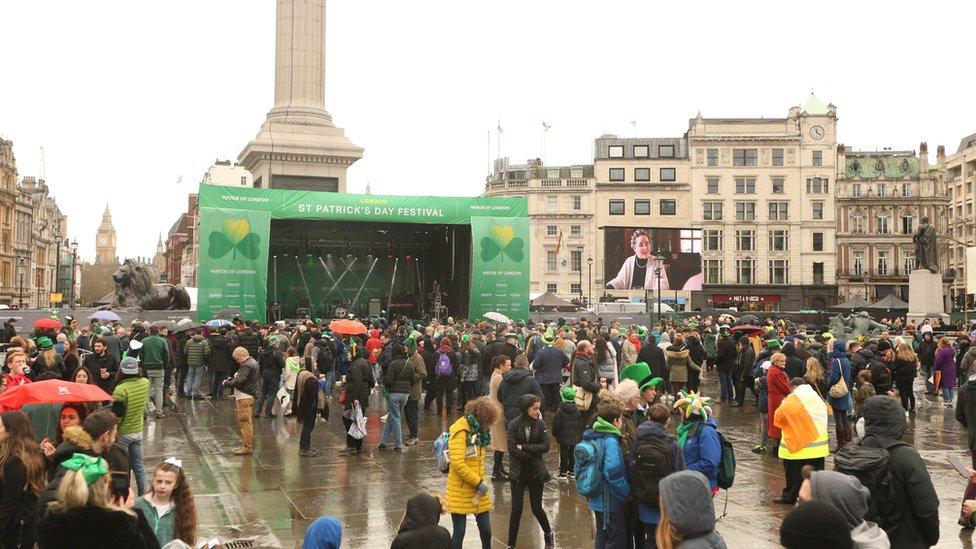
<point x="105" y="316"/>
<point x="48" y="324"/>
<point x="51" y="391"/>
<point x="169" y="324"/>
<point x="749" y="329"/>
<point x="219" y="323"/>
<point x="497" y="317"/>
<point x="347" y="327"/>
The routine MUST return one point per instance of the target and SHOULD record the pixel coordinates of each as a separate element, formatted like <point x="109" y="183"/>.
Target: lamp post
<point x="74" y="261"/>
<point x="658" y="267"/>
<point x="580" y="271"/>
<point x="589" y="283"/>
<point x="57" y="260"/>
<point x="20" y="271"/>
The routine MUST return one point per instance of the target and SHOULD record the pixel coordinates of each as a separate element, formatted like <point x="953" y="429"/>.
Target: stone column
<point x="300" y="64"/>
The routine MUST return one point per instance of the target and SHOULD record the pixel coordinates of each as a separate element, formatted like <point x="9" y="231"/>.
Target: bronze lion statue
<point x="134" y="290"/>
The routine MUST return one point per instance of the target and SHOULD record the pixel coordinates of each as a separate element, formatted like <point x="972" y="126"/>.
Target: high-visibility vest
<point x="817" y="410"/>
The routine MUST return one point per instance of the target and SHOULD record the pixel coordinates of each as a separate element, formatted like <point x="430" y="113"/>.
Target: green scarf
<point x="603" y="426"/>
<point x="684" y="429"/>
<point x="478" y="435"/>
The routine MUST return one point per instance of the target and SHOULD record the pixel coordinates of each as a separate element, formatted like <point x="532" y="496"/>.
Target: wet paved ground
<point x="272" y="496"/>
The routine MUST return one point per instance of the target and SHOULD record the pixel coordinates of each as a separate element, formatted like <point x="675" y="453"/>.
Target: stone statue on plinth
<point x="925" y="251"/>
<point x="134" y="289"/>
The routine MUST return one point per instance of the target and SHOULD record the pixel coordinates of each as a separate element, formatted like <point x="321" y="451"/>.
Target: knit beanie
<point x="815" y="525"/>
<point x="568" y="394"/>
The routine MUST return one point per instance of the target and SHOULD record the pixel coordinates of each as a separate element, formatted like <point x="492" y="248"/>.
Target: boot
<point x="498" y="471"/>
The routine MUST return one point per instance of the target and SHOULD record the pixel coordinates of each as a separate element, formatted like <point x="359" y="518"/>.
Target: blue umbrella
<point x="219" y="322"/>
<point x="105" y="316"/>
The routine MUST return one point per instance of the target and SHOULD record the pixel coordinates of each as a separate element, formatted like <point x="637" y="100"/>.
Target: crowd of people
<point x="622" y="405"/>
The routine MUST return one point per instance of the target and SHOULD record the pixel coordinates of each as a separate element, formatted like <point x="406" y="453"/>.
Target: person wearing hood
<point x="517" y="382"/>
<point x="608" y="504"/>
<point x="324" y="533"/>
<point x="567" y="428"/>
<point x="664" y="341"/>
<point x="445" y="364"/>
<point x="802" y="420"/>
<point x="743" y="374"/>
<point x="687" y="513"/>
<point x="528" y="442"/>
<point x="966" y="361"/>
<point x="698" y="437"/>
<point x="679" y="364"/>
<point x="419" y="528"/>
<point x="850" y="497"/>
<point x="711" y="347"/>
<point x="815" y="525"/>
<point x="397" y="381"/>
<point x="197" y="350"/>
<point x="926" y="356"/>
<point x="795" y="366"/>
<point x="653" y="356"/>
<point x="221" y="362"/>
<point x="944" y="367"/>
<point x="918" y="527"/>
<point x="840" y="373"/>
<point x="697" y="354"/>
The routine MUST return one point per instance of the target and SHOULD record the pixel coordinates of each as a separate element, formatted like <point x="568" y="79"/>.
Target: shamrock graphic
<point x="234" y="234"/>
<point x="502" y="240"/>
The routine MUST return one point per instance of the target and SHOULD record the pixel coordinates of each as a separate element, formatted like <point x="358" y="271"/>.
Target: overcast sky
<point x="127" y="97"/>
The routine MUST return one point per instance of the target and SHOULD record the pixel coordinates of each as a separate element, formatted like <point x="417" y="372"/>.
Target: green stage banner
<point x="499" y="267"/>
<point x="286" y="204"/>
<point x="233" y="262"/>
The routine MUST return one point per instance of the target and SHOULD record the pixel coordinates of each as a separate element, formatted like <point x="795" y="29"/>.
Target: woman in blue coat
<point x="840" y="365"/>
<point x="698" y="437"/>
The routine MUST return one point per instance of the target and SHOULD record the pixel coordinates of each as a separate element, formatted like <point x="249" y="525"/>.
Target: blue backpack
<point x="588" y="467"/>
<point x="441" y="455"/>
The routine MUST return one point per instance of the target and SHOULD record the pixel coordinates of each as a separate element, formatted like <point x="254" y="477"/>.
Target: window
<point x="777" y="157"/>
<point x="577" y="203"/>
<point x="616" y="174"/>
<point x="642" y="207"/>
<point x="575" y="260"/>
<point x="576" y="173"/>
<point x="856" y="190"/>
<point x="743" y="157"/>
<point x="818" y="239"/>
<point x="713" y="271"/>
<point x="552" y="203"/>
<point x="816" y="185"/>
<point x="712" y="211"/>
<point x="779" y="186"/>
<point x="575" y="288"/>
<point x="745" y="271"/>
<point x="615" y="151"/>
<point x="779" y="272"/>
<point x="243" y="181"/>
<point x="550" y="261"/>
<point x="575" y="230"/>
<point x="551" y="288"/>
<point x="665" y="151"/>
<point x="882" y="189"/>
<point x="906" y="188"/>
<point x="907" y="224"/>
<point x="745" y="185"/>
<point x="691" y="241"/>
<point x="745" y="211"/>
<point x="712" y="157"/>
<point x="818" y="272"/>
<point x="745" y="241"/>
<point x="617" y="207"/>
<point x="818" y="158"/>
<point x="779" y="241"/>
<point x="551" y="230"/>
<point x="817" y="210"/>
<point x="779" y="211"/>
<point x="711" y="185"/>
<point x="883" y="262"/>
<point x="907" y="262"/>
<point x="667" y="174"/>
<point x="883" y="227"/>
<point x="642" y="174"/>
<point x="641" y="151"/>
<point x="857" y="224"/>
<point x="552" y="173"/>
<point x="669" y="206"/>
<point x="713" y="240"/>
<point x="857" y="262"/>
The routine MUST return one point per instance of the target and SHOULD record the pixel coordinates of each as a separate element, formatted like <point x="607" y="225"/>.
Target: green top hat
<point x="44" y="343"/>
<point x="773" y="344"/>
<point x="641" y="374"/>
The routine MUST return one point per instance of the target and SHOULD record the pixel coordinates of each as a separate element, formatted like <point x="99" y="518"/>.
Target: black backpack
<point x="654" y="459"/>
<point x="872" y="466"/>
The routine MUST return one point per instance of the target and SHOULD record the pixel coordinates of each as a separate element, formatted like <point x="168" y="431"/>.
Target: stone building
<point x="43" y="247"/>
<point x="881" y="198"/>
<point x="764" y="199"/>
<point x="561" y="205"/>
<point x="8" y="198"/>
<point x="222" y="172"/>
<point x="180" y="265"/>
<point x="958" y="171"/>
<point x="105" y="240"/>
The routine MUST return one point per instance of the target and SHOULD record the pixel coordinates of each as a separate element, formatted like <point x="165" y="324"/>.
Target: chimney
<point x="923" y="156"/>
<point x="940" y="155"/>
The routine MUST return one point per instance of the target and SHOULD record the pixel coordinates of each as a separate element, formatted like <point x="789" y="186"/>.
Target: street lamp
<point x="579" y="266"/>
<point x="658" y="267"/>
<point x="589" y="284"/>
<point x="57" y="258"/>
<point x="74" y="259"/>
<point x="21" y="265"/>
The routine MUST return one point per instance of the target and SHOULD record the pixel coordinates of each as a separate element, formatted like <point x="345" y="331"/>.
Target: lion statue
<point x="134" y="290"/>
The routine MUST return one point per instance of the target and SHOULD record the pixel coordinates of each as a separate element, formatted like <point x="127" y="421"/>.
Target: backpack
<point x="444" y="366"/>
<point x="872" y="466"/>
<point x="654" y="460"/>
<point x="726" y="465"/>
<point x="588" y="468"/>
<point x="441" y="455"/>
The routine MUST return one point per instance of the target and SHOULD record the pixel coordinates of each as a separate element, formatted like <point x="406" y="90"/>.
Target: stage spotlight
<point x="328" y="256"/>
<point x="409" y="257"/>
<point x="369" y="257"/>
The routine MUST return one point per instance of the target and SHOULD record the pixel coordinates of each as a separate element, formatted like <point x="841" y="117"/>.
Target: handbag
<point x="583" y="397"/>
<point x="343" y="396"/>
<point x="839" y="389"/>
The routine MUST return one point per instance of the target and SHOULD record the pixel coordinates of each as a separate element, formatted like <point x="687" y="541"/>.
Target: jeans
<point x="725" y="385"/>
<point x="392" y="428"/>
<point x="133" y="445"/>
<point x="155" y="389"/>
<point x="330" y="382"/>
<point x="269" y="388"/>
<point x="460" y="524"/>
<point x="194" y="376"/>
<point x="614" y="536"/>
<point x="947" y="394"/>
<point x="305" y="440"/>
<point x="534" y="486"/>
<point x="217" y="383"/>
<point x="411" y="413"/>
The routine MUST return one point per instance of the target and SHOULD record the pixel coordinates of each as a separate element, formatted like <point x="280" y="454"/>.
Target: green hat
<point x="568" y="394"/>
<point x="773" y="344"/>
<point x="44" y="343"/>
<point x="465" y="338"/>
<point x="411" y="344"/>
<point x="641" y="374"/>
<point x="642" y="331"/>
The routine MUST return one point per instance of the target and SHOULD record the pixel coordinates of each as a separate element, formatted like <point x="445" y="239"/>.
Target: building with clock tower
<point x="105" y="240"/>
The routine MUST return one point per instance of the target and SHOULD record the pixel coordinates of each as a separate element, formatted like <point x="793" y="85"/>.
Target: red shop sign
<point x="730" y="298"/>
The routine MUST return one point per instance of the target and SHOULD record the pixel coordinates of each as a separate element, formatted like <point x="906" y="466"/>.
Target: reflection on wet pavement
<point x="272" y="496"/>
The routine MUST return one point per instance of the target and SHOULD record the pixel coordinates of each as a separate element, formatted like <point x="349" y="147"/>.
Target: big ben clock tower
<point x="105" y="240"/>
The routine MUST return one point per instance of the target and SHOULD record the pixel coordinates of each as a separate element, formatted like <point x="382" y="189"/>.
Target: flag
<point x="559" y="242"/>
<point x="179" y="180"/>
<point x="546" y="126"/>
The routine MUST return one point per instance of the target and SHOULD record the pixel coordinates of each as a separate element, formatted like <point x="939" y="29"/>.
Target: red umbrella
<point x="749" y="329"/>
<point x="47" y="324"/>
<point x="51" y="391"/>
<point x="347" y="327"/>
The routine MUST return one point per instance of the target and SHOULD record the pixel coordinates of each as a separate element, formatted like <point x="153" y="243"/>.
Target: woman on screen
<point x="637" y="271"/>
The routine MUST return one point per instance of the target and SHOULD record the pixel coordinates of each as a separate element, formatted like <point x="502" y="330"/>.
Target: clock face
<point x="817" y="132"/>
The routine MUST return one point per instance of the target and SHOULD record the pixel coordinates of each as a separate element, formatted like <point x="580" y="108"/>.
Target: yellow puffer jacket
<point x="467" y="471"/>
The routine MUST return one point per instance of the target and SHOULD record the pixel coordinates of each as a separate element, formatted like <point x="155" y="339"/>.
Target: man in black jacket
<point x="271" y="362"/>
<point x="507" y="346"/>
<point x="516" y="382"/>
<point x="9" y="331"/>
<point x="250" y="340"/>
<point x="725" y="363"/>
<point x="653" y="356"/>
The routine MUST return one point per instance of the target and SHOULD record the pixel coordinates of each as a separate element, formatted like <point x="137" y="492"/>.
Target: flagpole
<point x="543" y="157"/>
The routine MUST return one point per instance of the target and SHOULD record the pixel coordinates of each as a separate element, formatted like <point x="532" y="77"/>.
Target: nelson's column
<point x="298" y="147"/>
